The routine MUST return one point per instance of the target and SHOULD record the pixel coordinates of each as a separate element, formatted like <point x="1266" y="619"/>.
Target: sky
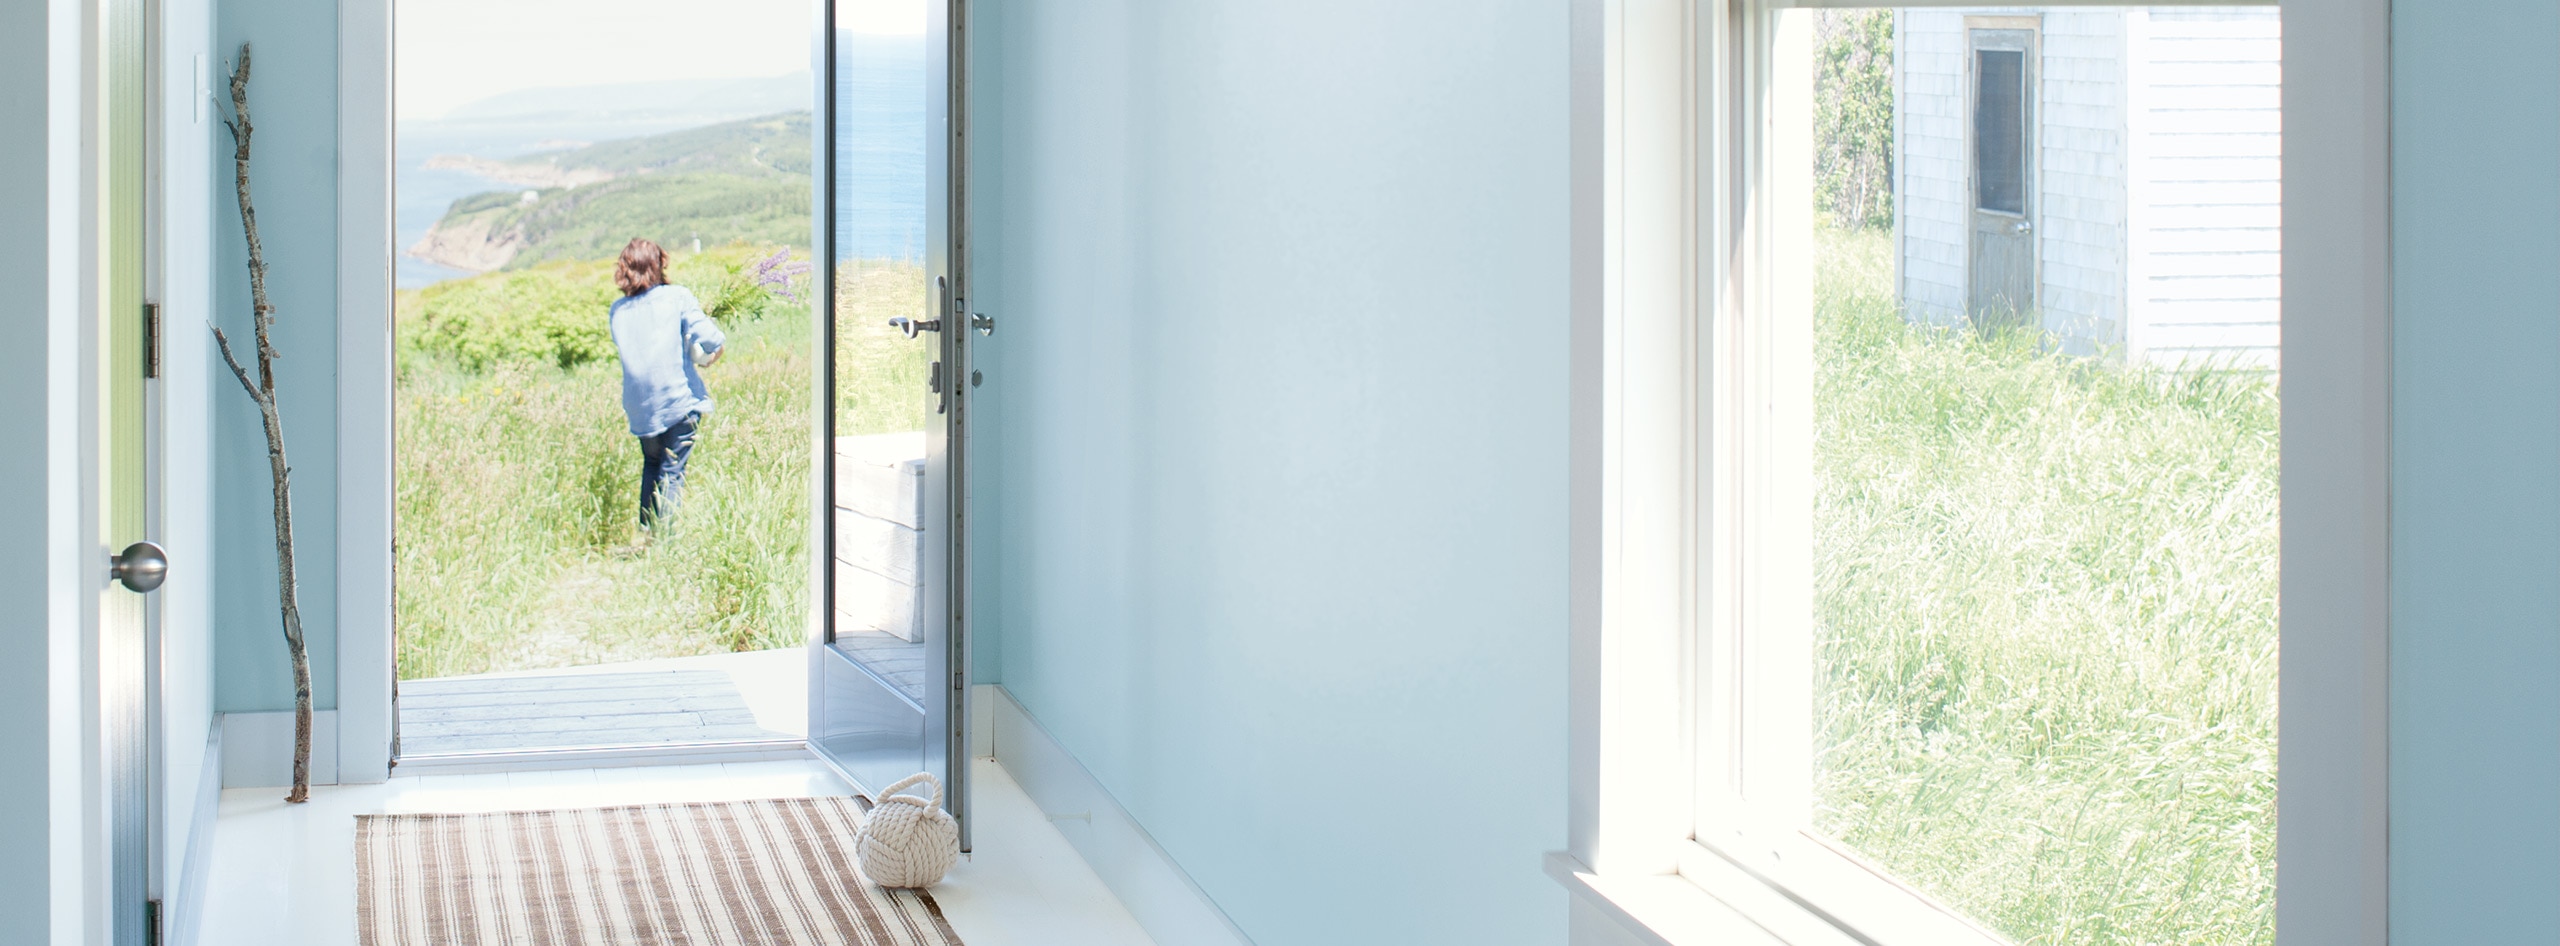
<point x="454" y="52"/>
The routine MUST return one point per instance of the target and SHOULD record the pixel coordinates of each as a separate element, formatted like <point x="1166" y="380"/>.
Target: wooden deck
<point x="591" y="708"/>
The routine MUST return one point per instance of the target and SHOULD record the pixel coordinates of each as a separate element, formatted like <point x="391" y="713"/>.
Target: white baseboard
<point x="258" y="749"/>
<point x="982" y="720"/>
<point x="185" y="915"/>
<point x="1163" y="898"/>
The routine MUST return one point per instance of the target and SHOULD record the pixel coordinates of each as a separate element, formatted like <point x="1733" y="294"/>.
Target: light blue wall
<point x="1275" y="430"/>
<point x="2475" y="648"/>
<point x="293" y="99"/>
<point x="25" y="850"/>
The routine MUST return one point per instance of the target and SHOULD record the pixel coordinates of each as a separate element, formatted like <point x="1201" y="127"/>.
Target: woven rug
<point x="777" y="872"/>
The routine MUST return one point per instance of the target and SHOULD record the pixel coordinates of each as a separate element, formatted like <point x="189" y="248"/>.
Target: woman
<point x="663" y="337"/>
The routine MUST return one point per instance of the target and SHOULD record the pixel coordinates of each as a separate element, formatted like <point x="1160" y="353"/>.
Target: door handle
<point x="2021" y="227"/>
<point x="142" y="566"/>
<point x="913" y="326"/>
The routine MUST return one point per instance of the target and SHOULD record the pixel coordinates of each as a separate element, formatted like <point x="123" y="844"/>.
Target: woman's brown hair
<point x="643" y="267"/>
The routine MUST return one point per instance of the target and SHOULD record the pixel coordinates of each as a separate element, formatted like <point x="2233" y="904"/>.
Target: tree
<point x="1853" y="116"/>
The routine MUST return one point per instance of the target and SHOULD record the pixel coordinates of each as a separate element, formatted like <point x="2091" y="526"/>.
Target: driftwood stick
<point x="263" y="391"/>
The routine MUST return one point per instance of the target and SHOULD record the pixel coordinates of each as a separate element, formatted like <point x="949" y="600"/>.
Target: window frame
<point x="1674" y="274"/>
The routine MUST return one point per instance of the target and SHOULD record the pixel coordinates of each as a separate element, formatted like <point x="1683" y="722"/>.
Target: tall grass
<point x="517" y="544"/>
<point x="2047" y="607"/>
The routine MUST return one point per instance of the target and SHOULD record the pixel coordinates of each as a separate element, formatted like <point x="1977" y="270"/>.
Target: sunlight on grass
<point x="2046" y="596"/>
<point x="518" y="478"/>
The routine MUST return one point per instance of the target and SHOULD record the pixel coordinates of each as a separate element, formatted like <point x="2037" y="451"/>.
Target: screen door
<point x="2003" y="112"/>
<point x="888" y="673"/>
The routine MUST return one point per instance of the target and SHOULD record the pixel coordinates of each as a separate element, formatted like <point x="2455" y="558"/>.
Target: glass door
<point x="887" y="675"/>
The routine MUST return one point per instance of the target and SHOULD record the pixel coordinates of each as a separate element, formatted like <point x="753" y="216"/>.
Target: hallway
<point x="284" y="875"/>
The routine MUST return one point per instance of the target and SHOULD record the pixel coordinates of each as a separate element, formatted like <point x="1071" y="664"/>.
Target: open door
<point x="888" y="672"/>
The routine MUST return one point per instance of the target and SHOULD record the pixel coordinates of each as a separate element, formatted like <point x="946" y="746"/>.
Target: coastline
<point x="518" y="173"/>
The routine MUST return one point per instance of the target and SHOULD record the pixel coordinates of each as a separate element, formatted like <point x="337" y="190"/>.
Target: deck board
<point x="575" y="710"/>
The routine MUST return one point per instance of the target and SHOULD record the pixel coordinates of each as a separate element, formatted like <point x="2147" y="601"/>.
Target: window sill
<point x="1715" y="906"/>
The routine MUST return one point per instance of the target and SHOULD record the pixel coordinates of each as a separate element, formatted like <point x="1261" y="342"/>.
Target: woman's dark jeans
<point x="662" y="457"/>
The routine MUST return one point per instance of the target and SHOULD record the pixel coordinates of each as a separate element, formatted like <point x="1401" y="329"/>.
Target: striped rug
<point x="777" y="872"/>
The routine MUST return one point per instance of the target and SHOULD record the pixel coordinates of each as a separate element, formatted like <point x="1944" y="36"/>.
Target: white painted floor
<point x="284" y="875"/>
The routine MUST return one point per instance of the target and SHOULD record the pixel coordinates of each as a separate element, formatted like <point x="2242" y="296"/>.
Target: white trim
<point x="2138" y="78"/>
<point x="1631" y="385"/>
<point x="363" y="741"/>
<point x="1656" y="909"/>
<point x="2332" y="837"/>
<point x="982" y="730"/>
<point x="183" y="920"/>
<point x="1626" y="312"/>
<point x="1163" y="898"/>
<point x="536" y="760"/>
<point x="258" y="748"/>
<point x="78" y="841"/>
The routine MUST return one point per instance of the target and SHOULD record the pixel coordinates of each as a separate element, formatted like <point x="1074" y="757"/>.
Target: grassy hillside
<point x="515" y="541"/>
<point x="773" y="144"/>
<point x="743" y="181"/>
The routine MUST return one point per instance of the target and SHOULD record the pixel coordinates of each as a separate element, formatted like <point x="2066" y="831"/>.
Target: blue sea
<point x="880" y="153"/>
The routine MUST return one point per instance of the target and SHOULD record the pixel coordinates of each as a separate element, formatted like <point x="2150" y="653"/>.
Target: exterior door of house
<point x="2002" y="260"/>
<point x="126" y="680"/>
<point x="888" y="675"/>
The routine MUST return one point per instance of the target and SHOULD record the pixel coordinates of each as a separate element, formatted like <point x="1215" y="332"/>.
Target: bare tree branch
<point x="263" y="391"/>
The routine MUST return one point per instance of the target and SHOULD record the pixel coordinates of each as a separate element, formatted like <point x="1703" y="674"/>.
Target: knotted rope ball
<point x="907" y="841"/>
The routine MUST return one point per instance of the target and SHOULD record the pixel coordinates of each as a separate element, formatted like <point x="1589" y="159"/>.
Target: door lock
<point x="913" y="326"/>
<point x="142" y="566"/>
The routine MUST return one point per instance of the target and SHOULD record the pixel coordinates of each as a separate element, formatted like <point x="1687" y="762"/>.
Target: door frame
<point x="365" y="715"/>
<point x="366" y="257"/>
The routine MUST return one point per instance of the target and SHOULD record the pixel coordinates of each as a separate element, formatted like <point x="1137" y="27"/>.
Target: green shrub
<point x="553" y="315"/>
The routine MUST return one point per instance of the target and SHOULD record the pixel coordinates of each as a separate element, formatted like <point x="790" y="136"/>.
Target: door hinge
<point x="150" y="339"/>
<point x="151" y="923"/>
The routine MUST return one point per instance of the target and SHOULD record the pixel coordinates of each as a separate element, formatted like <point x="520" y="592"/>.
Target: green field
<point x="2046" y="595"/>
<point x="517" y="539"/>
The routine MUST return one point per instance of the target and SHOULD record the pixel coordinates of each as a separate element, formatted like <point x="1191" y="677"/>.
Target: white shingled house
<point x="2110" y="173"/>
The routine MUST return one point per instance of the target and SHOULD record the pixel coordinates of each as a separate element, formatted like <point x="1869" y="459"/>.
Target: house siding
<point x="2208" y="287"/>
<point x="1931" y="196"/>
<point x="2080" y="150"/>
<point x="2158" y="141"/>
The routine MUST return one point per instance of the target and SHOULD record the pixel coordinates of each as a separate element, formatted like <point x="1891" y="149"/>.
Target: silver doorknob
<point x="913" y="326"/>
<point x="142" y="566"/>
<point x="2021" y="227"/>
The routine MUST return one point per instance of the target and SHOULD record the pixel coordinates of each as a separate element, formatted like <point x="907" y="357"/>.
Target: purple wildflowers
<point x="775" y="274"/>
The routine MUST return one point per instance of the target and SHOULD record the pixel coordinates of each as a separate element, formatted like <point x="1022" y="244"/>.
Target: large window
<point x="1986" y="631"/>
